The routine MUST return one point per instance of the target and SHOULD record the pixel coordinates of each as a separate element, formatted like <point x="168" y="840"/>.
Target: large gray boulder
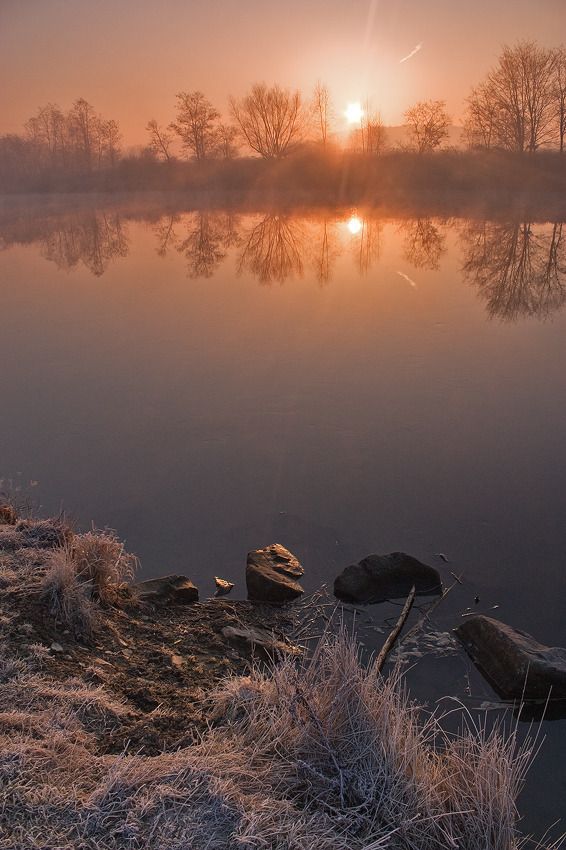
<point x="518" y="666"/>
<point x="271" y="574"/>
<point x="379" y="577"/>
<point x="172" y="588"/>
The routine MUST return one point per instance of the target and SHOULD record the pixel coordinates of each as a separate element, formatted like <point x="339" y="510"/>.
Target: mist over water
<point x="340" y="381"/>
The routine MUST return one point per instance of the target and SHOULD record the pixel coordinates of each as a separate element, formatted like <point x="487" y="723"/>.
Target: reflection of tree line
<point x="519" y="268"/>
<point x="92" y="238"/>
<point x="273" y="248"/>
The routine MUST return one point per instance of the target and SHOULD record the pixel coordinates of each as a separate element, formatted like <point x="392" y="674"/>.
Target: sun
<point x="354" y="225"/>
<point x="354" y="113"/>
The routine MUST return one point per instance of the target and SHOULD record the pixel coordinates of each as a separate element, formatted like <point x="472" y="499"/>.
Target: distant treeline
<point x="518" y="110"/>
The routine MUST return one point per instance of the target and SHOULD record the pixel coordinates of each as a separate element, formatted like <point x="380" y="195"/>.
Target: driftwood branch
<point x="394" y="634"/>
<point x="418" y="625"/>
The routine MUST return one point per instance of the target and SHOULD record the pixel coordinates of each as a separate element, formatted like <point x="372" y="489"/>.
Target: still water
<point x="339" y="381"/>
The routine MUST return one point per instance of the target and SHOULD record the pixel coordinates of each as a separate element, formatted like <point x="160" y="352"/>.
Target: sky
<point x="130" y="57"/>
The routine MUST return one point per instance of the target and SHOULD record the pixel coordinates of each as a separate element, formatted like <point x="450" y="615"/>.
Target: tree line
<point x="520" y="106"/>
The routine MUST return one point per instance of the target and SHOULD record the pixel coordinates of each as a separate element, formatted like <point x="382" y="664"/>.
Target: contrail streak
<point x="407" y="278"/>
<point x="412" y="53"/>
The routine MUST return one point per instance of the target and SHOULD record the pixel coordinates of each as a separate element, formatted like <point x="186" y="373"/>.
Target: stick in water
<point x="394" y="634"/>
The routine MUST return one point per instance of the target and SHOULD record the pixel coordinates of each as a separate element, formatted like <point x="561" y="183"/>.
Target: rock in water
<point x="222" y="586"/>
<point x="518" y="666"/>
<point x="171" y="588"/>
<point x="379" y="577"/>
<point x="271" y="573"/>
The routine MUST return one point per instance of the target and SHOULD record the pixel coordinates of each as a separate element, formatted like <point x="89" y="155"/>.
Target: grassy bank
<point x="311" y="176"/>
<point x="120" y="728"/>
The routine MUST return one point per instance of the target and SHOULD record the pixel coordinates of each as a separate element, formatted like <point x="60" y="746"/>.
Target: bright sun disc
<point x="354" y="113"/>
<point x="354" y="225"/>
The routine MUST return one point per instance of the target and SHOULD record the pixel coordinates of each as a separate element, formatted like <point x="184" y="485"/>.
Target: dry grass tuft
<point x="324" y="755"/>
<point x="100" y="559"/>
<point x="34" y="534"/>
<point x="68" y="598"/>
<point x="7" y="515"/>
<point x="70" y="571"/>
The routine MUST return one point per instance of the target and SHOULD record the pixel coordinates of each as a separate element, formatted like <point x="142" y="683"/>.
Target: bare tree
<point x="428" y="124"/>
<point x="322" y="112"/>
<point x="111" y="140"/>
<point x="83" y="125"/>
<point x="372" y="131"/>
<point x="196" y="124"/>
<point x="227" y="141"/>
<point x="480" y="126"/>
<point x="160" y="140"/>
<point x="271" y="119"/>
<point x="47" y="132"/>
<point x="560" y="95"/>
<point x="515" y="107"/>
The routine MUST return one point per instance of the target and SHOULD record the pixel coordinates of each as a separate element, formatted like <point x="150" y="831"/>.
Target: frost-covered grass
<point x="67" y="571"/>
<point x="317" y="754"/>
<point x="320" y="755"/>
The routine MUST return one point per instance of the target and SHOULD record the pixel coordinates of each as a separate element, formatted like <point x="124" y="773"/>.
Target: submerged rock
<point x="171" y="588"/>
<point x="271" y="573"/>
<point x="379" y="577"/>
<point x="518" y="666"/>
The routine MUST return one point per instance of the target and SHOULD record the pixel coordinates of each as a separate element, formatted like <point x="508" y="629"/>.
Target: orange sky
<point x="130" y="57"/>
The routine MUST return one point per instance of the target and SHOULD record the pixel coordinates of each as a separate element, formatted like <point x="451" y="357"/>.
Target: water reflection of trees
<point x="273" y="249"/>
<point x="94" y="239"/>
<point x="519" y="267"/>
<point x="323" y="248"/>
<point x="424" y="243"/>
<point x="207" y="237"/>
<point x="367" y="250"/>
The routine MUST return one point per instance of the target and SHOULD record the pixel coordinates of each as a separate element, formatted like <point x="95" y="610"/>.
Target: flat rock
<point x="222" y="586"/>
<point x="517" y="665"/>
<point x="254" y="639"/>
<point x="379" y="577"/>
<point x="171" y="588"/>
<point x="271" y="573"/>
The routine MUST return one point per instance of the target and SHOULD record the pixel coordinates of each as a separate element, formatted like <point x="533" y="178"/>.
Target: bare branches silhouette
<point x="208" y="235"/>
<point x="424" y="243"/>
<point x="273" y="249"/>
<point x="518" y="268"/>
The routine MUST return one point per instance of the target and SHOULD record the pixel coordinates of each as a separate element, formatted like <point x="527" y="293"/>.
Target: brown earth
<point x="159" y="659"/>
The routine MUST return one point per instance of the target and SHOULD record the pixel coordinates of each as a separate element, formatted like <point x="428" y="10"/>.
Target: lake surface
<point x="342" y="382"/>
